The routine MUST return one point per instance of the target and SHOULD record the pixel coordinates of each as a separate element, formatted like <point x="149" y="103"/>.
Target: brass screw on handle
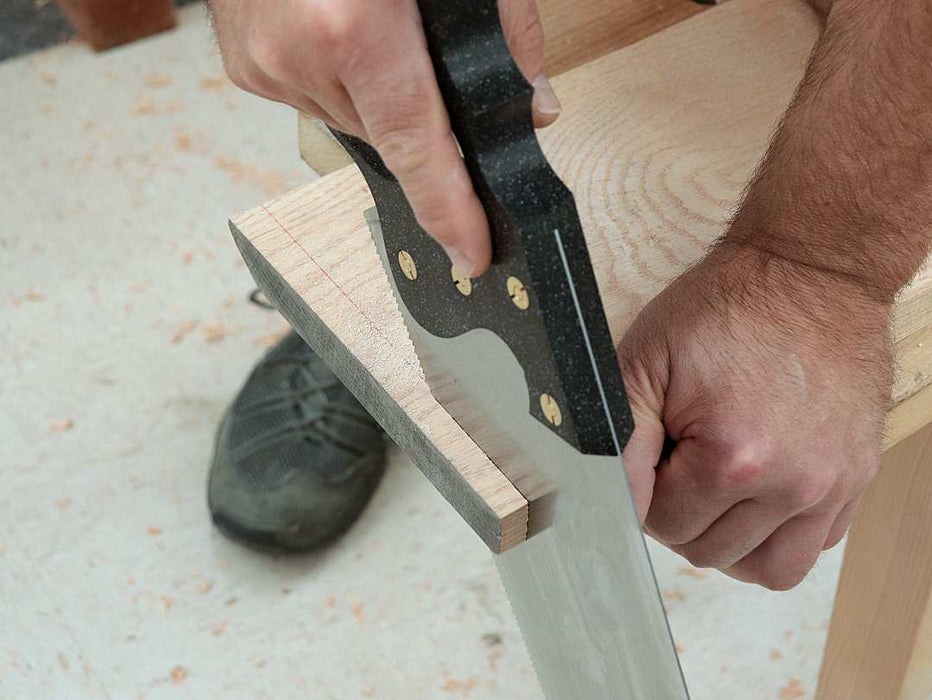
<point x="462" y="282"/>
<point x="407" y="265"/>
<point x="551" y="409"/>
<point x="518" y="293"/>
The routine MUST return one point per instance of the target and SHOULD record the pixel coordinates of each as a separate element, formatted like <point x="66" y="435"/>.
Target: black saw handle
<point x="540" y="260"/>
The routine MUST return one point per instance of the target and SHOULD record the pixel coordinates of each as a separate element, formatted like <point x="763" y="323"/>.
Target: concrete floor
<point x="125" y="330"/>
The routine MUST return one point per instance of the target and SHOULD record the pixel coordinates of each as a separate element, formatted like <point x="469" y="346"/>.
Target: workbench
<point x="668" y="107"/>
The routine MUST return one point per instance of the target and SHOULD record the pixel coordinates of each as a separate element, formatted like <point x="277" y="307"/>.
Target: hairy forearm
<point x="845" y="190"/>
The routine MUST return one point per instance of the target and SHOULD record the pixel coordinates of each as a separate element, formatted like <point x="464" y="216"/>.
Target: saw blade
<point x="522" y="359"/>
<point x="582" y="589"/>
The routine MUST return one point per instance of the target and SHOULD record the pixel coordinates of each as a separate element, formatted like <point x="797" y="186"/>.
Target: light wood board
<point x="656" y="141"/>
<point x="880" y="639"/>
<point x="576" y="32"/>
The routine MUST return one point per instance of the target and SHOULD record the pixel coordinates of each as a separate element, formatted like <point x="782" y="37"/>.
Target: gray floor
<point x="124" y="331"/>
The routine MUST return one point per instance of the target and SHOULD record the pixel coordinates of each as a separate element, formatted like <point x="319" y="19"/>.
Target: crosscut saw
<point x="522" y="359"/>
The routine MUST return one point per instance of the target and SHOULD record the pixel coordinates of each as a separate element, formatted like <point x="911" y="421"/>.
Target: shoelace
<point x="314" y="425"/>
<point x="314" y="421"/>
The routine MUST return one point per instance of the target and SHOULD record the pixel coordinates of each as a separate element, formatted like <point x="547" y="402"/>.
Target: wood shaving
<point x="214" y="84"/>
<point x="61" y="426"/>
<point x="358" y="612"/>
<point x="267" y="341"/>
<point x="157" y="80"/>
<point x="214" y="333"/>
<point x="182" y="329"/>
<point x="691" y="572"/>
<point x="144" y="108"/>
<point x="792" y="690"/>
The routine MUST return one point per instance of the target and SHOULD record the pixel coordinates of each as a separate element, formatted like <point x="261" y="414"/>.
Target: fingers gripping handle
<point x="562" y="339"/>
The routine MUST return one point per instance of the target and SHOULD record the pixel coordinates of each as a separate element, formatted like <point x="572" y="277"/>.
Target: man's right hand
<point x="362" y="66"/>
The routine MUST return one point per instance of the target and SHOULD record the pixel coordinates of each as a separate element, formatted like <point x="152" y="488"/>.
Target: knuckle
<point x="781" y="581"/>
<point x="666" y="530"/>
<point x="784" y="570"/>
<point x="250" y="78"/>
<point x="267" y="54"/>
<point x="745" y="467"/>
<point x="702" y="559"/>
<point x="810" y="489"/>
<point x="835" y="539"/>
<point x="336" y="26"/>
<point x="526" y="36"/>
<point x="237" y="77"/>
<point x="402" y="145"/>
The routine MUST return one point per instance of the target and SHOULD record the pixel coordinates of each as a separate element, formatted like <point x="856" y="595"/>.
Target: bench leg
<point x="880" y="638"/>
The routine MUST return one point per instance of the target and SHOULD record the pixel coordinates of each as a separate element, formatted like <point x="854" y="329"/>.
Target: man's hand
<point x="362" y="66"/>
<point x="770" y="362"/>
<point x="774" y="381"/>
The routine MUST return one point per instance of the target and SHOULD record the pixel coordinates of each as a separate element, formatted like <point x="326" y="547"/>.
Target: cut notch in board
<point x="654" y="186"/>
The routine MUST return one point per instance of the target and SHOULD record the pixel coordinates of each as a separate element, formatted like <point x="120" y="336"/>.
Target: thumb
<point x="641" y="455"/>
<point x="646" y="395"/>
<point x="525" y="36"/>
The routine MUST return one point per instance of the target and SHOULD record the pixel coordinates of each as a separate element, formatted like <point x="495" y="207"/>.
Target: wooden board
<point x="880" y="639"/>
<point x="579" y="31"/>
<point x="656" y="142"/>
<point x="576" y="32"/>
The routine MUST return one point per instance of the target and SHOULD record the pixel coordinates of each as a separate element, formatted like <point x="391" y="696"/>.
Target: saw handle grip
<point x="539" y="294"/>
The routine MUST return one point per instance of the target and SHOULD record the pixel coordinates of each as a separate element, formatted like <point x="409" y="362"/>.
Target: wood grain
<point x="337" y="297"/>
<point x="880" y="638"/>
<point x="576" y="32"/>
<point x="656" y="141"/>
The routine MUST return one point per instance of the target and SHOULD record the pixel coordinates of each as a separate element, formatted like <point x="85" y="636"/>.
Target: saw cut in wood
<point x="654" y="186"/>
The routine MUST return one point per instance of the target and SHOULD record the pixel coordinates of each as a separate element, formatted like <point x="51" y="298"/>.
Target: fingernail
<point x="545" y="100"/>
<point x="463" y="266"/>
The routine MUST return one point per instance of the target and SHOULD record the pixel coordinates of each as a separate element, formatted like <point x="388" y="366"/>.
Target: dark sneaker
<point x="296" y="456"/>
